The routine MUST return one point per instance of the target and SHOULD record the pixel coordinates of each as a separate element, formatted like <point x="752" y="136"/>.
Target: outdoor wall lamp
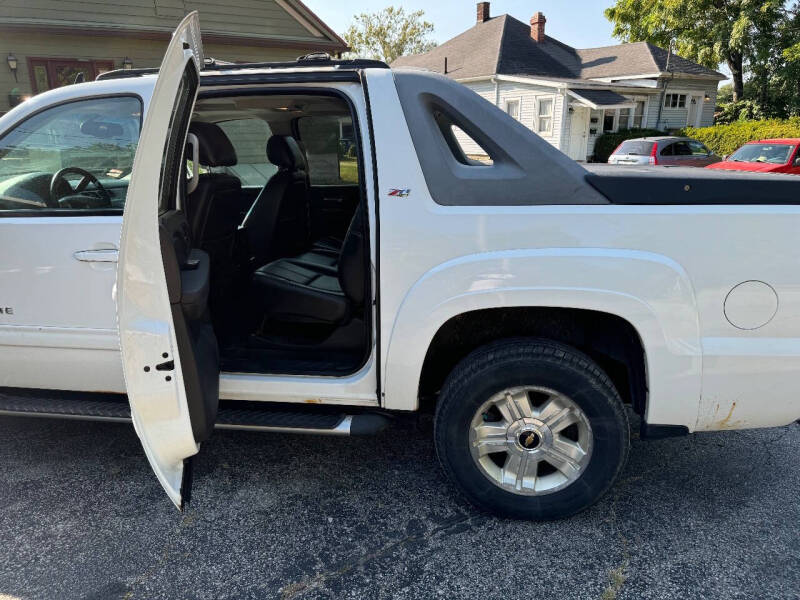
<point x="12" y="64"/>
<point x="127" y="64"/>
<point x="707" y="98"/>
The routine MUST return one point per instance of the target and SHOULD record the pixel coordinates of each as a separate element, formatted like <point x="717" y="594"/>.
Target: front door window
<point x="89" y="143"/>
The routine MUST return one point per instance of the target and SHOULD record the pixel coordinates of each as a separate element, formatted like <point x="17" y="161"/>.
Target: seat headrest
<point x="283" y="152"/>
<point x="216" y="149"/>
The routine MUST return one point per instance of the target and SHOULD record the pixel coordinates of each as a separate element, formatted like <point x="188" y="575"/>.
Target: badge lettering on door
<point x="399" y="193"/>
<point x="6" y="310"/>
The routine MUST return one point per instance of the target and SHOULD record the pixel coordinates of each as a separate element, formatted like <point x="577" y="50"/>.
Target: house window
<point x="624" y="118"/>
<point x="512" y="108"/>
<point x="638" y="115"/>
<point x="675" y="101"/>
<point x="545" y="116"/>
<point x="608" y="120"/>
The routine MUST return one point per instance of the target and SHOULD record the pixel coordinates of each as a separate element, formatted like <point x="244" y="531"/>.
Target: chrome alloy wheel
<point x="531" y="440"/>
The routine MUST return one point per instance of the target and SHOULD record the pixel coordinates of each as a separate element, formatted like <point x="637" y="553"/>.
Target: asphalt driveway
<point x="283" y="516"/>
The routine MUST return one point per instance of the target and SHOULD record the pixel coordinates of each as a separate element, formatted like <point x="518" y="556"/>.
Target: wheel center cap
<point x="529" y="434"/>
<point x="529" y="440"/>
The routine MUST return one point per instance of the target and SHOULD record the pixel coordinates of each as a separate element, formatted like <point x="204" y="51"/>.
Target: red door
<point x="49" y="73"/>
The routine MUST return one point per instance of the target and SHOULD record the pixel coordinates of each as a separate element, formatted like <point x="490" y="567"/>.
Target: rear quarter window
<point x="331" y="149"/>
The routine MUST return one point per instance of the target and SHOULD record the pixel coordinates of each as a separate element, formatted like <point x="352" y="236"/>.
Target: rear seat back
<point x="277" y="222"/>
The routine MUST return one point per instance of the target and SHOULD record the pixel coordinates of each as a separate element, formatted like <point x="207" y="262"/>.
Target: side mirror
<point x="797" y="162"/>
<point x="725" y="157"/>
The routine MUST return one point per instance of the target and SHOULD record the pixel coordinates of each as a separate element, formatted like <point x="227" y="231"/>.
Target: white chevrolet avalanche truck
<point x="307" y="247"/>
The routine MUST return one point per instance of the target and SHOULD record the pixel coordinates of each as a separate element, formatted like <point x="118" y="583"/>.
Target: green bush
<point x="743" y="110"/>
<point x="608" y="142"/>
<point x="724" y="139"/>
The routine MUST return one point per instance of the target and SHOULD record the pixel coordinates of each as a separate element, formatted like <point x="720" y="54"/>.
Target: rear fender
<point x="652" y="292"/>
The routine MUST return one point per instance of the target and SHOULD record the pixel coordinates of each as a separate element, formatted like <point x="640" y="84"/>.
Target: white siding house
<point x="571" y="96"/>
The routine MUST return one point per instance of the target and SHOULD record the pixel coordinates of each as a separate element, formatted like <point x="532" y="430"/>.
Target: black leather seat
<point x="293" y="290"/>
<point x="277" y="223"/>
<point x="213" y="208"/>
<point x="329" y="243"/>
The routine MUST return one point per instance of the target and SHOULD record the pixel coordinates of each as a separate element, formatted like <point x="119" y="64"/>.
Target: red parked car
<point x="764" y="156"/>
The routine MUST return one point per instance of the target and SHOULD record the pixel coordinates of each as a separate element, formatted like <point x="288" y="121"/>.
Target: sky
<point x="579" y="23"/>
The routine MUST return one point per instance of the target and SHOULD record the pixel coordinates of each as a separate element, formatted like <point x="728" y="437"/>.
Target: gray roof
<point x="601" y="97"/>
<point x="503" y="45"/>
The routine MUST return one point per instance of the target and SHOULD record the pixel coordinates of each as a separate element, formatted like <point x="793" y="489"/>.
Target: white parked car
<point x="305" y="247"/>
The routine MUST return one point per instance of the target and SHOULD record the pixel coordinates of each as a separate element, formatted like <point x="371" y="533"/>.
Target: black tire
<point x="520" y="362"/>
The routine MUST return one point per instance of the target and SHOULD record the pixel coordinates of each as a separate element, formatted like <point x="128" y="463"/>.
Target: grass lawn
<point x="348" y="170"/>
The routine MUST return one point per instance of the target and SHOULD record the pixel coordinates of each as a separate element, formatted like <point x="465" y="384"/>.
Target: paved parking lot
<point x="280" y="516"/>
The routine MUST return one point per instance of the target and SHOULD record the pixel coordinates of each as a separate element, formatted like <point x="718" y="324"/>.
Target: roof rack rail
<point x="125" y="73"/>
<point x="315" y="60"/>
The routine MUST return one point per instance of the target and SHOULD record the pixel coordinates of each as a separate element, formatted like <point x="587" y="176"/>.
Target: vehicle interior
<point x="277" y="204"/>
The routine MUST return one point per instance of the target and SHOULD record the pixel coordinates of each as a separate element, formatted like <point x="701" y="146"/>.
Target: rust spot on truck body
<point x="726" y="422"/>
<point x="721" y="418"/>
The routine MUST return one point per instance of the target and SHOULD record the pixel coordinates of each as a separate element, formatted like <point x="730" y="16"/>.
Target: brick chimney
<point x="483" y="12"/>
<point x="537" y="26"/>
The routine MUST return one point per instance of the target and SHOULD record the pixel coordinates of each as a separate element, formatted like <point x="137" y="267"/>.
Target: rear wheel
<point x="531" y="429"/>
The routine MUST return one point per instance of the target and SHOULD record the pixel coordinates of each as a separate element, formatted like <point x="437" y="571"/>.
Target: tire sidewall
<point x="592" y="394"/>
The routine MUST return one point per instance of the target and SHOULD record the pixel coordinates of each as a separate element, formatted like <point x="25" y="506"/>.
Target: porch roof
<point x="600" y="98"/>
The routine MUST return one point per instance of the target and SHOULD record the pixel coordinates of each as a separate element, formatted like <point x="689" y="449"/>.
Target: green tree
<point x="389" y="34"/>
<point x="785" y="82"/>
<point x="736" y="32"/>
<point x="725" y="93"/>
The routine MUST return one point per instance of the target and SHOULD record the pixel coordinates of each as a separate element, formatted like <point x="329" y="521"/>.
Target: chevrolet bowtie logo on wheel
<point x="399" y="193"/>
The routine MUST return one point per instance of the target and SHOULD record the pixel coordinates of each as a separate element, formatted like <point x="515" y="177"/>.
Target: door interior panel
<point x="188" y="275"/>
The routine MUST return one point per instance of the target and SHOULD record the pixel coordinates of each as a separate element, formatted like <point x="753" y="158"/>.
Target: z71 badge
<point x="399" y="193"/>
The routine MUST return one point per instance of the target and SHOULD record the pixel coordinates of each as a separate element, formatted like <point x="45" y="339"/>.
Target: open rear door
<point x="169" y="351"/>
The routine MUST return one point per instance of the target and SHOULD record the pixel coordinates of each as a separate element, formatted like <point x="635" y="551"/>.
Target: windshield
<point x="635" y="147"/>
<point x="774" y="154"/>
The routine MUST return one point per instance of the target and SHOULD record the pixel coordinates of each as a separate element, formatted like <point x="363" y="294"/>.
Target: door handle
<point x="105" y="255"/>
